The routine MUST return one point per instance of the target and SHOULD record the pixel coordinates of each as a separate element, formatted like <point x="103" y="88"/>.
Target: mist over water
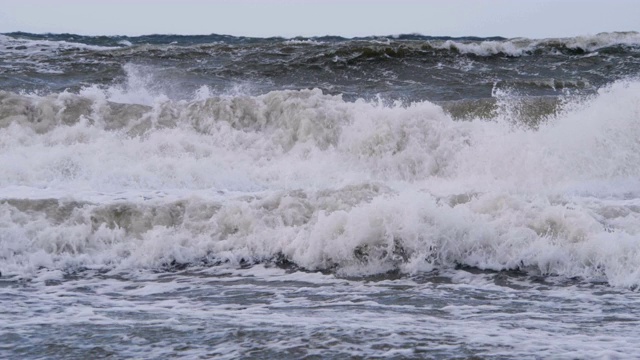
<point x="194" y="196"/>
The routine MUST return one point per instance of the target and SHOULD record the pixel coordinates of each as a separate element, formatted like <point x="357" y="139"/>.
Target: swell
<point x="379" y="46"/>
<point x="402" y="68"/>
<point x="358" y="51"/>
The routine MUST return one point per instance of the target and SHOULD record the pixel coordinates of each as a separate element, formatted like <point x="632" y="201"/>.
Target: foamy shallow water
<point x="263" y="312"/>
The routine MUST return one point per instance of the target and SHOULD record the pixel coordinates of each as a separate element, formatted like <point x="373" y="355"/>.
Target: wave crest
<point x="354" y="187"/>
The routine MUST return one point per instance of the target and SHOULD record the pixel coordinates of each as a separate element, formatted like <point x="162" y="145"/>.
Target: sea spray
<point x="328" y="184"/>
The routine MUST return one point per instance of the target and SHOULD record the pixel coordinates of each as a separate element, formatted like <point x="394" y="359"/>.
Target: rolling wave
<point x="398" y="45"/>
<point x="87" y="180"/>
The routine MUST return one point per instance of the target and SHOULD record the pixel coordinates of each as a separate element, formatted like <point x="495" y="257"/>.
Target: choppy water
<point x="409" y="196"/>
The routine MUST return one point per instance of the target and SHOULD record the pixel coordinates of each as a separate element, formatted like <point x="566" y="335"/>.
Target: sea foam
<point x="89" y="180"/>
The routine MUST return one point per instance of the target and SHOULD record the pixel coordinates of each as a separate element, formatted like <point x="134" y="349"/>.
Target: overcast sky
<point x="509" y="18"/>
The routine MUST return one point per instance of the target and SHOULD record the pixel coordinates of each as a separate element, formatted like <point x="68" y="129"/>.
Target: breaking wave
<point x="115" y="178"/>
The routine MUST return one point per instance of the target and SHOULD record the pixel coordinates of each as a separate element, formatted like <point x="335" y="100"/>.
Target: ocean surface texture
<point x="382" y="197"/>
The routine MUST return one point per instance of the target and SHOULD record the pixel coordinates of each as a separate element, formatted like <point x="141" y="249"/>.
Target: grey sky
<point x="510" y="18"/>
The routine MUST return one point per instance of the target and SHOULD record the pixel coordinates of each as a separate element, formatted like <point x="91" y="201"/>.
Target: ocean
<point x="402" y="196"/>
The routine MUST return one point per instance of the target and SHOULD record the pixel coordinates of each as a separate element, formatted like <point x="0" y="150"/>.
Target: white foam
<point x="522" y="46"/>
<point x="602" y="40"/>
<point x="303" y="42"/>
<point x="357" y="187"/>
<point x="486" y="48"/>
<point x="10" y="44"/>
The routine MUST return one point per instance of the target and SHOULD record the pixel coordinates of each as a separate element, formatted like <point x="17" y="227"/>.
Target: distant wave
<point x="398" y="45"/>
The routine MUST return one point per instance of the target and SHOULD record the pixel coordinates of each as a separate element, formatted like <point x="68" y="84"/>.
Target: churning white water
<point x="361" y="188"/>
<point x="295" y="223"/>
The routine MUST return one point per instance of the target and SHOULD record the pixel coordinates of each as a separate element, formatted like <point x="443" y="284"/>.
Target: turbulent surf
<point x="401" y="178"/>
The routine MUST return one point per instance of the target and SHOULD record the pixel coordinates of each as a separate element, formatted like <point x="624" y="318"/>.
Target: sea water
<point x="378" y="197"/>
